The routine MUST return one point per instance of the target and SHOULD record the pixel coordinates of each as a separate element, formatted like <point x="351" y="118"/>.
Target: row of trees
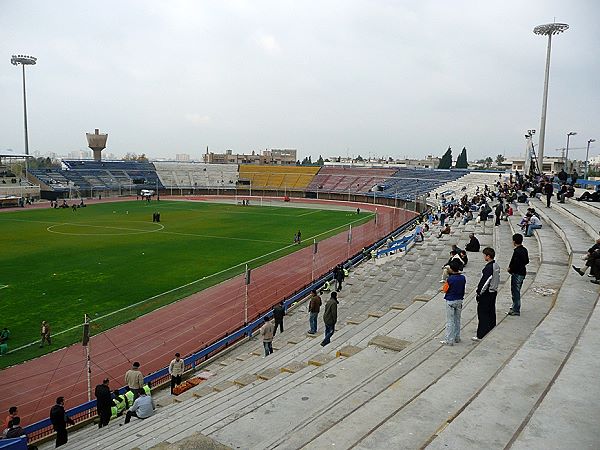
<point x="462" y="163"/>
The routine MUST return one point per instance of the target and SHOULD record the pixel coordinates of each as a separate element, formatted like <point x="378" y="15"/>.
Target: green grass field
<point x="56" y="264"/>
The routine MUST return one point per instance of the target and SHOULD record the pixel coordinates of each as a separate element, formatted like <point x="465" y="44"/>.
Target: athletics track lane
<point x="185" y="326"/>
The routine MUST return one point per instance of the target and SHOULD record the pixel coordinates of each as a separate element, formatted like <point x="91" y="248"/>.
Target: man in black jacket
<point x="517" y="269"/>
<point x="473" y="245"/>
<point x="103" y="403"/>
<point x="278" y="313"/>
<point x="487" y="290"/>
<point x="59" y="420"/>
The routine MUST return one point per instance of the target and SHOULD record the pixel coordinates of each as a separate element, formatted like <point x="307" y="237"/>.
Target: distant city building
<point x="182" y="157"/>
<point x="552" y="164"/>
<point x="80" y="154"/>
<point x="430" y="162"/>
<point x="280" y="157"/>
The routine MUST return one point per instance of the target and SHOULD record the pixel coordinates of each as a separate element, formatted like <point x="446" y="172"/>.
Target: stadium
<point x="260" y="300"/>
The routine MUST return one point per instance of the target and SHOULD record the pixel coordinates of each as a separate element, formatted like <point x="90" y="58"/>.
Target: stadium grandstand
<point x="385" y="381"/>
<point x="15" y="188"/>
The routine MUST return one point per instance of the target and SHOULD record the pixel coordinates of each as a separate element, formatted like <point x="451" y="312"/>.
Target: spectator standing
<point x="142" y="408"/>
<point x="59" y="420"/>
<point x="134" y="380"/>
<point x="330" y="318"/>
<point x="549" y="191"/>
<point x="176" y="369"/>
<point x="4" y="335"/>
<point x="517" y="269"/>
<point x="103" y="403"/>
<point x="12" y="413"/>
<point x="45" y="333"/>
<point x="455" y="293"/>
<point x="314" y="306"/>
<point x="339" y="277"/>
<point x="487" y="290"/>
<point x="267" y="331"/>
<point x="278" y="314"/>
<point x="498" y="213"/>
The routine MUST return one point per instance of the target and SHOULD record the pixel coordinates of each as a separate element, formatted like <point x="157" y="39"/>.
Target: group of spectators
<point x="479" y="208"/>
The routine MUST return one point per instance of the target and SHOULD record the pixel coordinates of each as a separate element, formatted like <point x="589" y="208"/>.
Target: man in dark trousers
<point x="487" y="290"/>
<point x="314" y="306"/>
<point x="330" y="318"/>
<point x="517" y="269"/>
<point x="549" y="191"/>
<point x="339" y="277"/>
<point x="103" y="403"/>
<point x="278" y="313"/>
<point x="498" y="213"/>
<point x="59" y="420"/>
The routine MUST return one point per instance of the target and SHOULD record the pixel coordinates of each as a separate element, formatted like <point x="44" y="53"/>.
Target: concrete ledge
<point x="293" y="367"/>
<point x="376" y="314"/>
<point x="244" y="357"/>
<point x="202" y="391"/>
<point x="398" y="307"/>
<point x="294" y="340"/>
<point x="195" y="441"/>
<point x="422" y="298"/>
<point x="389" y="343"/>
<point x="220" y="387"/>
<point x="321" y="359"/>
<point x="245" y="379"/>
<point x="269" y="373"/>
<point x="347" y="351"/>
<point x="352" y="321"/>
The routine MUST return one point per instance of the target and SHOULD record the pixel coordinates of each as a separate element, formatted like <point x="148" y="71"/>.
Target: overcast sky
<point x="386" y="78"/>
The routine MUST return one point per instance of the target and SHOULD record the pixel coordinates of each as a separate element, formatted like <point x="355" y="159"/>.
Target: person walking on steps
<point x="103" y="403"/>
<point x="517" y="269"/>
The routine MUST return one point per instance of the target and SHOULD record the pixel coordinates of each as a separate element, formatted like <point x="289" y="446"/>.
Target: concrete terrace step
<point x="542" y="355"/>
<point x="344" y="429"/>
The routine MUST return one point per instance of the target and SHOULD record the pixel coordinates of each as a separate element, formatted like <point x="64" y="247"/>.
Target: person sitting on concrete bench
<point x="534" y="223"/>
<point x="142" y="408"/>
<point x="473" y="245"/>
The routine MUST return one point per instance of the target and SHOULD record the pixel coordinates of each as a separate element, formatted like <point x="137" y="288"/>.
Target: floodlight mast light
<point x="24" y="60"/>
<point x="549" y="30"/>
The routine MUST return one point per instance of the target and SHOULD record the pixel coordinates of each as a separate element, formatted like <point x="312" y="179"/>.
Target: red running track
<point x="185" y="326"/>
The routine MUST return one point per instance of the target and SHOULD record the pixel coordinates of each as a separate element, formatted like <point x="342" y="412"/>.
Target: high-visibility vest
<point x="129" y="396"/>
<point x="346" y="273"/>
<point x="115" y="410"/>
<point x="147" y="389"/>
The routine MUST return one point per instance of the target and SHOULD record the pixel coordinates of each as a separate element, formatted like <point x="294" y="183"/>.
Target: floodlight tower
<point x="24" y="60"/>
<point x="549" y="30"/>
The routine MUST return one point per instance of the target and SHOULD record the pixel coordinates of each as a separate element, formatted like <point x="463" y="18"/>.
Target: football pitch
<point x="112" y="262"/>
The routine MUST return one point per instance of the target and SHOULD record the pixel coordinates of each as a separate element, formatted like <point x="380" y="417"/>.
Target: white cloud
<point x="268" y="43"/>
<point x="197" y="119"/>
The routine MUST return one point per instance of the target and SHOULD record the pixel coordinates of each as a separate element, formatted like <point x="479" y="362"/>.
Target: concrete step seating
<point x="360" y="335"/>
<point x="526" y="386"/>
<point x="514" y="384"/>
